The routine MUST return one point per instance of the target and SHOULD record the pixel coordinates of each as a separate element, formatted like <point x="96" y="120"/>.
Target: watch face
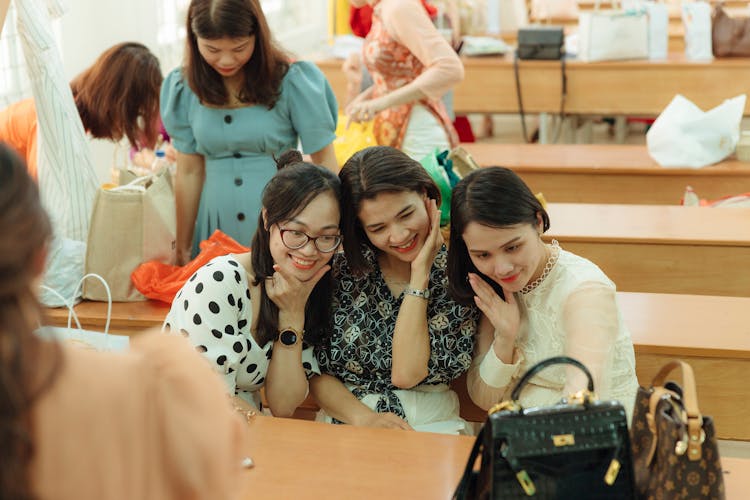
<point x="288" y="337"/>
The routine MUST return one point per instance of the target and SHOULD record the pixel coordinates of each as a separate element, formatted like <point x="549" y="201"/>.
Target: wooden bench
<point x="298" y="459"/>
<point x="660" y="248"/>
<point x="711" y="333"/>
<point x="597" y="173"/>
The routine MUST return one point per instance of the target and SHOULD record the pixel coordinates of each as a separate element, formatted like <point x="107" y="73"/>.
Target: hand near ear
<point x="421" y="266"/>
<point x="504" y="315"/>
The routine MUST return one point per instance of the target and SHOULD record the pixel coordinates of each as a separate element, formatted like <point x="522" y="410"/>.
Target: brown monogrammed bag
<point x="675" y="454"/>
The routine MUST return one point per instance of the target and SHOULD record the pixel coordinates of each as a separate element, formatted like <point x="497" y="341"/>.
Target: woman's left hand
<point x="289" y="293"/>
<point x="422" y="264"/>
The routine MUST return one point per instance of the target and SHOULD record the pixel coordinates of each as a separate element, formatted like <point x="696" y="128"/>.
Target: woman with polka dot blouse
<point x="238" y="310"/>
<point x="398" y="339"/>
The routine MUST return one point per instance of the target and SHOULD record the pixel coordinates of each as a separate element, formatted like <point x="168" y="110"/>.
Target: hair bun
<point x="288" y="157"/>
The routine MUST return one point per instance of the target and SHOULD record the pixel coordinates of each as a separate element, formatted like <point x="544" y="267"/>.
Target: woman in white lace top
<point x="537" y="299"/>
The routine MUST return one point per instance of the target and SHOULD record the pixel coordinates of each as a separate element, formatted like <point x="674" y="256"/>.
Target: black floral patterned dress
<point x="359" y="350"/>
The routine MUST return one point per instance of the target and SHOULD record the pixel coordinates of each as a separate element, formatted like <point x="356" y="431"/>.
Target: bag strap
<point x="557" y="360"/>
<point x="462" y="491"/>
<point x="563" y="97"/>
<point x="690" y="401"/>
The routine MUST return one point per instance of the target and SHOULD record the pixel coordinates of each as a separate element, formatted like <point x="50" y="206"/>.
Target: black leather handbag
<point x="577" y="449"/>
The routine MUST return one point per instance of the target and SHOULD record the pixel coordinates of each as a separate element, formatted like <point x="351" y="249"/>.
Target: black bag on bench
<point x="579" y="448"/>
<point x="541" y="42"/>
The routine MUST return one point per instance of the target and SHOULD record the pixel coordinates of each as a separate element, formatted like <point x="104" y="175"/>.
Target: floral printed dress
<point x="392" y="65"/>
<point x="359" y="352"/>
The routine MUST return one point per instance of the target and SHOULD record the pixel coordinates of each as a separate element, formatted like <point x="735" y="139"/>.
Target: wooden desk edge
<point x="702" y="352"/>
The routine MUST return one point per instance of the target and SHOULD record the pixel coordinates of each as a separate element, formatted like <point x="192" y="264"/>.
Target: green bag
<point x="440" y="169"/>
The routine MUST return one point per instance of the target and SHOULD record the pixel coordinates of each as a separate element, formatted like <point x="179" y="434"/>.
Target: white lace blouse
<point x="572" y="312"/>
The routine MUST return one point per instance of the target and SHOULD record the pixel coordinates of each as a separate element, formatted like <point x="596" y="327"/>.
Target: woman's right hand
<point x="504" y="315"/>
<point x="422" y="264"/>
<point x="384" y="421"/>
<point x="289" y="293"/>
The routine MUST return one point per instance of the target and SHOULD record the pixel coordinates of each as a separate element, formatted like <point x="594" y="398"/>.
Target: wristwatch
<point x="422" y="294"/>
<point x="290" y="337"/>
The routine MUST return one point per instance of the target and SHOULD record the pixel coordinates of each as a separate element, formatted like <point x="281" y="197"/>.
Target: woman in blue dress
<point x="235" y="104"/>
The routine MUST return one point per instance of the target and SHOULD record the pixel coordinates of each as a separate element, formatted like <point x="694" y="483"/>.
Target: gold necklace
<point x="551" y="260"/>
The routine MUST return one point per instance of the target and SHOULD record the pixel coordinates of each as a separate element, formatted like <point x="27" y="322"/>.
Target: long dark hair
<point x="215" y="19"/>
<point x="494" y="197"/>
<point x="119" y="88"/>
<point x="369" y="172"/>
<point x="24" y="231"/>
<point x="295" y="185"/>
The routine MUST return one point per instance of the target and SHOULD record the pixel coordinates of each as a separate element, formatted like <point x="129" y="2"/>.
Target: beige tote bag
<point x="130" y="224"/>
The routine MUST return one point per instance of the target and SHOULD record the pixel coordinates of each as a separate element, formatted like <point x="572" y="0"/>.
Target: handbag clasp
<point x="563" y="440"/>
<point x="614" y="469"/>
<point x="526" y="483"/>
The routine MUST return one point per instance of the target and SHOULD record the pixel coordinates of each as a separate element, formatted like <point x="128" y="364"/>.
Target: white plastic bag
<point x="685" y="136"/>
<point x="696" y="18"/>
<point x="64" y="269"/>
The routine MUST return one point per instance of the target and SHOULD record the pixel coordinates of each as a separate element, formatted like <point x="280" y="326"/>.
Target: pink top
<point x="404" y="48"/>
<point x="152" y="423"/>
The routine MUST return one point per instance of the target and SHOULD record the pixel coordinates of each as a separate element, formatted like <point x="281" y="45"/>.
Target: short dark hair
<point x="369" y="172"/>
<point x="264" y="72"/>
<point x="119" y="90"/>
<point x="295" y="185"/>
<point x="494" y="197"/>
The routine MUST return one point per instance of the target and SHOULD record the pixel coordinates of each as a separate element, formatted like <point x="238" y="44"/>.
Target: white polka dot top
<point x="213" y="310"/>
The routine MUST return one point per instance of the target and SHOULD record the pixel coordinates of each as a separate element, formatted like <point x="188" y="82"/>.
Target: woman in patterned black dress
<point x="398" y="339"/>
<point x="239" y="309"/>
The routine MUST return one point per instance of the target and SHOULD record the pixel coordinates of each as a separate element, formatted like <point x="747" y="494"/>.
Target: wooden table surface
<point x="301" y="459"/>
<point x="674" y="225"/>
<point x="688" y="325"/>
<point x="613" y="87"/>
<point x="660" y="248"/>
<point x="609" y="173"/>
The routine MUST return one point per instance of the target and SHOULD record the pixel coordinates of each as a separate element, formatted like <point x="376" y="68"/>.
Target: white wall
<point x="91" y="26"/>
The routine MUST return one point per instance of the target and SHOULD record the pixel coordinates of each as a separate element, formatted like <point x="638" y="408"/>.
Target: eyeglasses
<point x="295" y="240"/>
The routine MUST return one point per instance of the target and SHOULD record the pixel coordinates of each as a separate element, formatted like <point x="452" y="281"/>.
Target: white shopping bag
<point x="85" y="339"/>
<point x="606" y="35"/>
<point x="658" y="29"/>
<point x="696" y="18"/>
<point x="685" y="136"/>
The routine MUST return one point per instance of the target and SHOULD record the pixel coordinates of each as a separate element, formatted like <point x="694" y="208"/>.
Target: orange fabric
<point x="161" y="281"/>
<point x="18" y="129"/>
<point x="150" y="423"/>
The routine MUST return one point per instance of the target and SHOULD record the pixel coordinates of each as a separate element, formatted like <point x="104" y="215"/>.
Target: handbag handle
<point x="557" y="360"/>
<point x="690" y="402"/>
<point x="464" y="485"/>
